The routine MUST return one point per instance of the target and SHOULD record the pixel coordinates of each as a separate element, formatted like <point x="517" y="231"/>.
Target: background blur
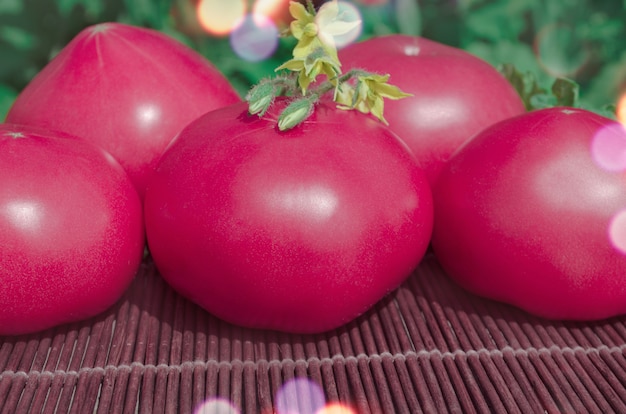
<point x="583" y="40"/>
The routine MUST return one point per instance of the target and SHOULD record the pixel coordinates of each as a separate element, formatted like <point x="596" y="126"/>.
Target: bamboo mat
<point x="428" y="347"/>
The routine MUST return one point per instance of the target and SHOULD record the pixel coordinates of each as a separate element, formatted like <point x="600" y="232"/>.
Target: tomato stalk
<point x="315" y="54"/>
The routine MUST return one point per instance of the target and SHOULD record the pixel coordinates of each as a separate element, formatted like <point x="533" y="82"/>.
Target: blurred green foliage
<point x="582" y="40"/>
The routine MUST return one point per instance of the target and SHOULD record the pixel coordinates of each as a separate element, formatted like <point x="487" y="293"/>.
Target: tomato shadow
<point x="152" y="324"/>
<point x="438" y="314"/>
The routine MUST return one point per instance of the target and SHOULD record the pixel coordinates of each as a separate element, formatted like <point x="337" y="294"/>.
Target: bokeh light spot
<point x="617" y="231"/>
<point x="299" y="396"/>
<point x="216" y="406"/>
<point x="348" y="13"/>
<point x="621" y="109"/>
<point x="336" y="408"/>
<point x="608" y="147"/>
<point x="270" y="8"/>
<point x="559" y="50"/>
<point x="221" y="17"/>
<point x="255" y="39"/>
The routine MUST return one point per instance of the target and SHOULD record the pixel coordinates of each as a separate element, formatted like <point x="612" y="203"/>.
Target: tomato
<point x="71" y="230"/>
<point x="532" y="212"/>
<point x="299" y="231"/>
<point x="455" y="94"/>
<point x="127" y="89"/>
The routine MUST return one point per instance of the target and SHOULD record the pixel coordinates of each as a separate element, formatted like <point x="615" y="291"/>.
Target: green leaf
<point x="542" y="100"/>
<point x="607" y="111"/>
<point x="607" y="83"/>
<point x="526" y="85"/>
<point x="408" y="16"/>
<point x="518" y="54"/>
<point x="377" y="21"/>
<point x="498" y="20"/>
<point x="92" y="7"/>
<point x="13" y="7"/>
<point x="566" y="92"/>
<point x="601" y="28"/>
<point x="154" y="13"/>
<point x="18" y="38"/>
<point x="65" y="7"/>
<point x="7" y="96"/>
<point x="560" y="50"/>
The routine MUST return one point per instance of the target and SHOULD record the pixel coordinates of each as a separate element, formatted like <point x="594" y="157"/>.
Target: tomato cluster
<point x="127" y="136"/>
<point x="529" y="207"/>
<point x="71" y="219"/>
<point x="455" y="94"/>
<point x="126" y="89"/>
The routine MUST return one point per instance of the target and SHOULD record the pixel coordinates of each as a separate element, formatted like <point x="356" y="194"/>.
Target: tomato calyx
<point x="563" y="92"/>
<point x="315" y="54"/>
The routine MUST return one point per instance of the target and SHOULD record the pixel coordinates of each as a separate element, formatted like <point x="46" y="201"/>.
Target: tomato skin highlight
<point x="298" y="231"/>
<point x="127" y="89"/>
<point x="455" y="94"/>
<point x="71" y="230"/>
<point x="524" y="214"/>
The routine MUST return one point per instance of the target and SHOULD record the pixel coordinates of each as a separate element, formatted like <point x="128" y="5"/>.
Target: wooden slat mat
<point x="429" y="347"/>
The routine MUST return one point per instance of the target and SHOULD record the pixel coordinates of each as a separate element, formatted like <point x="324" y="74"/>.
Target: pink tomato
<point x="301" y="230"/>
<point x="71" y="230"/>
<point x="455" y="94"/>
<point x="127" y="89"/>
<point x="532" y="212"/>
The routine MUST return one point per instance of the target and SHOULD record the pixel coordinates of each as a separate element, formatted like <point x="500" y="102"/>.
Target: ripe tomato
<point x="532" y="210"/>
<point x="71" y="230"/>
<point x="456" y="94"/>
<point x="301" y="230"/>
<point x="127" y="89"/>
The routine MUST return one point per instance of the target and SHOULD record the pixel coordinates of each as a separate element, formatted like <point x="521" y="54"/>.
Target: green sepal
<point x="566" y="92"/>
<point x="296" y="112"/>
<point x="260" y="98"/>
<point x="563" y="92"/>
